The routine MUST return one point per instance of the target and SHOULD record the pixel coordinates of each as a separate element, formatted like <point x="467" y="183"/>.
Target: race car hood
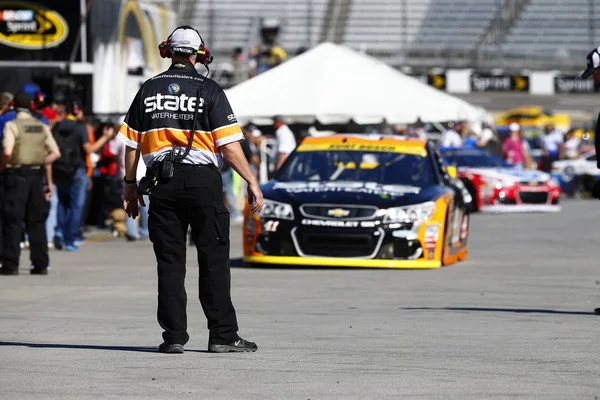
<point x="381" y="196"/>
<point x="520" y="176"/>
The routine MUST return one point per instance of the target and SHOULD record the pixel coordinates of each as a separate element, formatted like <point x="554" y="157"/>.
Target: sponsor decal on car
<point x="346" y="187"/>
<point x="339" y="224"/>
<point x="432" y="233"/>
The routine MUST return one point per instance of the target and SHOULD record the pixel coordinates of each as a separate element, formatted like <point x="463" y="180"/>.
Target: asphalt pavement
<point x="514" y="320"/>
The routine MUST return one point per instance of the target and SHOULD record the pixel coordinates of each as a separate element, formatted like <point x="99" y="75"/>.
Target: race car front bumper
<point x="343" y="262"/>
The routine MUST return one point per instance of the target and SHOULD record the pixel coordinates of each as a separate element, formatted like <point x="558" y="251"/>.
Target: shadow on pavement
<point x="89" y="347"/>
<point x="505" y="310"/>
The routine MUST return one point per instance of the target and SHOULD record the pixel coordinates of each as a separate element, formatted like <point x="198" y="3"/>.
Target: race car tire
<point x="568" y="174"/>
<point x="445" y="241"/>
<point x="473" y="207"/>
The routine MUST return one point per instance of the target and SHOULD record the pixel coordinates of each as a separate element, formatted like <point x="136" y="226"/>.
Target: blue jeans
<point x="71" y="200"/>
<point x="132" y="224"/>
<point x="229" y="193"/>
<point x="51" y="220"/>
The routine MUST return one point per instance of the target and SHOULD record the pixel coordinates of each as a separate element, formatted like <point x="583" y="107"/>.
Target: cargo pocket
<point x="222" y="222"/>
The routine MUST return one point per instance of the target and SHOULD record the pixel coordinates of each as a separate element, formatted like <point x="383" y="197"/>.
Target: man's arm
<point x="236" y="158"/>
<point x="8" y="144"/>
<point x="280" y="160"/>
<point x="90" y="148"/>
<point x="132" y="157"/>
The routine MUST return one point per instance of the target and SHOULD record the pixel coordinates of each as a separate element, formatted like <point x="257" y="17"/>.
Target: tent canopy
<point x="333" y="84"/>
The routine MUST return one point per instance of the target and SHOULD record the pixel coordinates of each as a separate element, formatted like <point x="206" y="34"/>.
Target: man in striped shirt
<point x="186" y="187"/>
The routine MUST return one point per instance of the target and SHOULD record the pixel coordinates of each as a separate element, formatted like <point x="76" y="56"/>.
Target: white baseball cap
<point x="185" y="40"/>
<point x="514" y="127"/>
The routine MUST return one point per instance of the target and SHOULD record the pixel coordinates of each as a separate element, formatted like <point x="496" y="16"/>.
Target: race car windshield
<point x="353" y="166"/>
<point x="479" y="159"/>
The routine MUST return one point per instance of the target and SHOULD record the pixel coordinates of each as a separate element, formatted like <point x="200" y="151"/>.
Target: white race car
<point x="584" y="165"/>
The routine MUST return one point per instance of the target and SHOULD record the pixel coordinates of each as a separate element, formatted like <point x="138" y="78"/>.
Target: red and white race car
<point x="498" y="187"/>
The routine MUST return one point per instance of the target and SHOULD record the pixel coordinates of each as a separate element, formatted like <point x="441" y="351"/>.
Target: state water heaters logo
<point x="31" y="26"/>
<point x="174" y="88"/>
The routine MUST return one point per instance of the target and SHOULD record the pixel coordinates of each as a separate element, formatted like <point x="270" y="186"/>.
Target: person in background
<point x="514" y="148"/>
<point x="471" y="140"/>
<point x="51" y="196"/>
<point x="251" y="133"/>
<point x="401" y="130"/>
<point x="418" y="130"/>
<point x="138" y="230"/>
<point x="285" y="141"/>
<point x="452" y="137"/>
<point x="228" y="185"/>
<point x="70" y="173"/>
<point x="240" y="71"/>
<point x="571" y="145"/>
<point x="28" y="146"/>
<point x="5" y="99"/>
<point x="552" y="145"/>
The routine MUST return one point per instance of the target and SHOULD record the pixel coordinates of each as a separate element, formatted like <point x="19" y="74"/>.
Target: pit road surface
<point x="514" y="320"/>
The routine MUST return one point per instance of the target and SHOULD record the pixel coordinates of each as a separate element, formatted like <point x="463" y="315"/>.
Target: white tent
<point x="334" y="84"/>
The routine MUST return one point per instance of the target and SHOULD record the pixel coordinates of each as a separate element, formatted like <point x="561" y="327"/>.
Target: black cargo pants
<point x="24" y="202"/>
<point x="193" y="197"/>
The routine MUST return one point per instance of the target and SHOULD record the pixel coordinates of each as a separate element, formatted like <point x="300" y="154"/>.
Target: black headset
<point x="203" y="54"/>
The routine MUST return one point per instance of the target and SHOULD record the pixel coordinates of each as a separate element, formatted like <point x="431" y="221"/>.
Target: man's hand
<point x="255" y="198"/>
<point x="132" y="201"/>
<point x="49" y="193"/>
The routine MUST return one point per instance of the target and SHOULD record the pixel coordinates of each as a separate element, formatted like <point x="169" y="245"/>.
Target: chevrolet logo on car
<point x="338" y="212"/>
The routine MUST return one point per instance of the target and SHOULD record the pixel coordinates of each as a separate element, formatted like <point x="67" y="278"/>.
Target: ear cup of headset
<point x="163" y="48"/>
<point x="204" y="56"/>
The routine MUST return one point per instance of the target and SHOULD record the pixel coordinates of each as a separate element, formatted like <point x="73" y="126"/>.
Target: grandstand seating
<point x="553" y="29"/>
<point x="227" y="24"/>
<point x="426" y="31"/>
<point x="424" y="25"/>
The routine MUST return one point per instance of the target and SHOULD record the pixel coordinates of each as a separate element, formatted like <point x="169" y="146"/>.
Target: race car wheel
<point x="446" y="239"/>
<point x="568" y="174"/>
<point x="471" y="188"/>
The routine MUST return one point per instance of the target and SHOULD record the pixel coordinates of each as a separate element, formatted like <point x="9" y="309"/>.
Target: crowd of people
<point x="84" y="187"/>
<point x="537" y="153"/>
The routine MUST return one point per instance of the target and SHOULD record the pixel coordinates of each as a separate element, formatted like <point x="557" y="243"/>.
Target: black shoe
<point x="9" y="271"/>
<point x="172" y="348"/>
<point x="130" y="238"/>
<point x="58" y="242"/>
<point x="238" y="346"/>
<point x="597" y="311"/>
<point x="38" y="271"/>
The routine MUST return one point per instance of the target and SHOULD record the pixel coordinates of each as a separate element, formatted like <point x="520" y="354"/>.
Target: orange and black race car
<point x="360" y="201"/>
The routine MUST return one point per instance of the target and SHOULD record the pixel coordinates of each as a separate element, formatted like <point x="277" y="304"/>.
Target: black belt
<point x="26" y="167"/>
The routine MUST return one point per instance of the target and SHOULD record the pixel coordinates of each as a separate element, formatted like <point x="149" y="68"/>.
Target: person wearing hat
<point x="182" y="125"/>
<point x="514" y="148"/>
<point x="28" y="146"/>
<point x="593" y="70"/>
